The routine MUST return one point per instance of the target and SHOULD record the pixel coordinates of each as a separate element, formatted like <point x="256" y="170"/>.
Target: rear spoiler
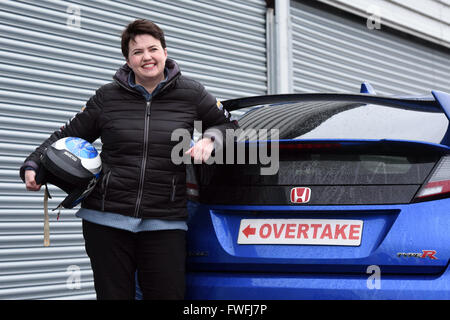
<point x="437" y="102"/>
<point x="444" y="101"/>
<point x="442" y="98"/>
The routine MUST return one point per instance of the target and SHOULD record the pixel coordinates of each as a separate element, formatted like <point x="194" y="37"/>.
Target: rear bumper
<point x="232" y="286"/>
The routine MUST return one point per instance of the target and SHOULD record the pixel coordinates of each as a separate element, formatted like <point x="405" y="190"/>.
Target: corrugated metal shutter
<point x="49" y="68"/>
<point x="334" y="53"/>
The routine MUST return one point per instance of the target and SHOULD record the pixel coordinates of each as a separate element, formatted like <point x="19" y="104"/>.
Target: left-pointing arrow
<point x="249" y="231"/>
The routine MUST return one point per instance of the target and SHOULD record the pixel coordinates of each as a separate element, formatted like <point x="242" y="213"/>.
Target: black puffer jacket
<point x="139" y="177"/>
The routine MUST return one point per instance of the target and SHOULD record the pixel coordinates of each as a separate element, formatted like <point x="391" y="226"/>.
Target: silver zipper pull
<point x="147" y="111"/>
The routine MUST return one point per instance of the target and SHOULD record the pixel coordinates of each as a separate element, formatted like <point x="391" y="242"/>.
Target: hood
<point x="123" y="72"/>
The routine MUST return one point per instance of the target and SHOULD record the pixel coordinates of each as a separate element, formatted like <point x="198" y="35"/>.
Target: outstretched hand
<point x="201" y="151"/>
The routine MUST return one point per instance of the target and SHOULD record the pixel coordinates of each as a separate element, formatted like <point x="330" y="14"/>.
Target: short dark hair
<point x="137" y="27"/>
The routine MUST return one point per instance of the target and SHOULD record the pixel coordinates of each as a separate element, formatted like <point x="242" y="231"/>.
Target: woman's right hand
<point x="30" y="181"/>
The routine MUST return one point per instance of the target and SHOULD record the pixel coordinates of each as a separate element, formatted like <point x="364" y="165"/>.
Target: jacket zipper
<point x="146" y="131"/>
<point x="144" y="159"/>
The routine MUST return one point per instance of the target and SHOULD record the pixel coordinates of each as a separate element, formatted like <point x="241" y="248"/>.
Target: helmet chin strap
<point x="46" y="217"/>
<point x="59" y="211"/>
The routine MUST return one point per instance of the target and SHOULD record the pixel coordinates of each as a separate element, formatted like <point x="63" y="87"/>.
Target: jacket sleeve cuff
<point x="28" y="165"/>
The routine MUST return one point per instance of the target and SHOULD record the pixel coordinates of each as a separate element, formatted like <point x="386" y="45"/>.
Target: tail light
<point x="439" y="182"/>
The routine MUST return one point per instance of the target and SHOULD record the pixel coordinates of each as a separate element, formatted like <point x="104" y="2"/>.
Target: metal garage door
<point x="334" y="53"/>
<point x="53" y="55"/>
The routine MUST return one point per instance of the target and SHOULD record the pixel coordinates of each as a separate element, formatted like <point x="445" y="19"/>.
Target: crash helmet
<point x="73" y="165"/>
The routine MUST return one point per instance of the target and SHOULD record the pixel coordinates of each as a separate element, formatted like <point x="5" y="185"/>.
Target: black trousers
<point x="158" y="256"/>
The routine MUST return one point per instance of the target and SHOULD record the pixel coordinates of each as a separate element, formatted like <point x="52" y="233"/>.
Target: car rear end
<point x="357" y="209"/>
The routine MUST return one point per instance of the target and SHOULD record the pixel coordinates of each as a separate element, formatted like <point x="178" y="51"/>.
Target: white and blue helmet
<point x="72" y="164"/>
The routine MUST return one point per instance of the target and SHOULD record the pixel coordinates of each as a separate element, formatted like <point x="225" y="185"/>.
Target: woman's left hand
<point x="201" y="151"/>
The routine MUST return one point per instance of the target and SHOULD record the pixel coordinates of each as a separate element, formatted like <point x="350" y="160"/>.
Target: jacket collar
<point x="124" y="71"/>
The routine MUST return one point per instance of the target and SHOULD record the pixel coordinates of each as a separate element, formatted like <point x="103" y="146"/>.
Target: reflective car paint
<point x="293" y="272"/>
<point x="407" y="243"/>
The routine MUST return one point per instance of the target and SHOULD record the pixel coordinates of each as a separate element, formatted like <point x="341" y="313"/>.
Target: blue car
<point x="346" y="198"/>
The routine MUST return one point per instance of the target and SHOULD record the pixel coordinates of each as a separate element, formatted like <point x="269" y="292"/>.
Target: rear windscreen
<point x="333" y="178"/>
<point x="328" y="169"/>
<point x="347" y="120"/>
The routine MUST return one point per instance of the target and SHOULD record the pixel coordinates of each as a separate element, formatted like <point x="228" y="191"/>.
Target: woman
<point x="135" y="219"/>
